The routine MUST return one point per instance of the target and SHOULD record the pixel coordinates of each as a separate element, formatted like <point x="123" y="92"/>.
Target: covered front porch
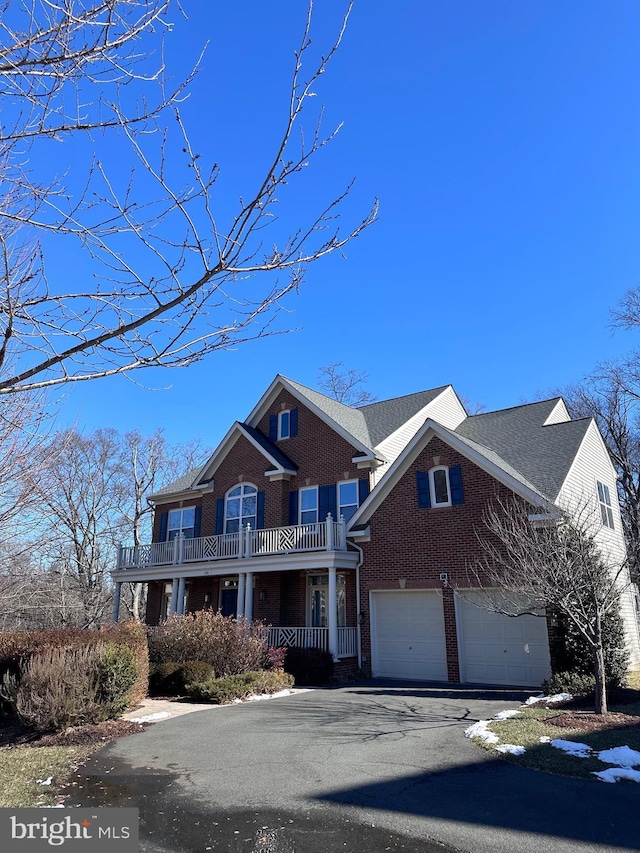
<point x="307" y="599"/>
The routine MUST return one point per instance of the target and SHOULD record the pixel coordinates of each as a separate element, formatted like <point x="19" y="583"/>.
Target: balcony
<point x="316" y="638"/>
<point x="326" y="535"/>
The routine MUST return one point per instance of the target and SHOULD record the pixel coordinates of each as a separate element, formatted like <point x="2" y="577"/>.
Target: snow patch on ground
<point x="151" y="718"/>
<point x="557" y="697"/>
<point x="258" y="697"/>
<point x="613" y="774"/>
<point x="571" y="747"/>
<point x="545" y="739"/>
<point x="481" y="731"/>
<point x="511" y="748"/>
<point x="623" y="756"/>
<point x="506" y="715"/>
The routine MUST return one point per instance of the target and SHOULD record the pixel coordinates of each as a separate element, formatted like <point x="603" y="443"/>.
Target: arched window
<point x="439" y="486"/>
<point x="241" y="508"/>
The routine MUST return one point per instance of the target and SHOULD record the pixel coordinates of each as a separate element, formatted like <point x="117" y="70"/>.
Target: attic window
<point x="284" y="424"/>
<point x="439" y="486"/>
<point x="604" y="499"/>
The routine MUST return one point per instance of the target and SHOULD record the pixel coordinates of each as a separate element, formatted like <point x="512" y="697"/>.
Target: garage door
<point x="408" y="635"/>
<point x="497" y="649"/>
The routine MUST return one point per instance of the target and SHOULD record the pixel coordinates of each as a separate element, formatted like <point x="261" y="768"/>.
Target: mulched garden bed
<point x="95" y="733"/>
<point x="588" y="721"/>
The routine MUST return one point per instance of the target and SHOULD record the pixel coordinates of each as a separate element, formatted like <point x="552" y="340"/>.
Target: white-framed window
<point x="439" y="486"/>
<point x="308" y="505"/>
<point x="318" y="597"/>
<point x="181" y="521"/>
<point x="604" y="499"/>
<point x="347" y="498"/>
<point x="241" y="508"/>
<point x="284" y="424"/>
<point x="165" y="603"/>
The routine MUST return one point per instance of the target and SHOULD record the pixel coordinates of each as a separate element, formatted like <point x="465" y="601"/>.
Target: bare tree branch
<point x="176" y="278"/>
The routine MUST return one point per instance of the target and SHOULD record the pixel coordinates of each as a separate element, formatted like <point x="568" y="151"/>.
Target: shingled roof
<point x="541" y="454"/>
<point x="386" y="416"/>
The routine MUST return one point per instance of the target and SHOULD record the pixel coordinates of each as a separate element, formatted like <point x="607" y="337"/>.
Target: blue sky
<point x="502" y="140"/>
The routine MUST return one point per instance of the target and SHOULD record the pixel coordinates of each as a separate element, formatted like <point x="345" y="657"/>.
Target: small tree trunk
<point x="599" y="671"/>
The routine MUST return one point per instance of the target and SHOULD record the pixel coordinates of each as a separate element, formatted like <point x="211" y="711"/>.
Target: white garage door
<point x="408" y="635"/>
<point x="497" y="649"/>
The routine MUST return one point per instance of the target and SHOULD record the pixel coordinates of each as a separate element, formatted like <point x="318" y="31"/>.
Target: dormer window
<point x="284" y="424"/>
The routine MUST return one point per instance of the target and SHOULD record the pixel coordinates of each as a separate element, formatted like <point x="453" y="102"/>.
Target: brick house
<point x="353" y="529"/>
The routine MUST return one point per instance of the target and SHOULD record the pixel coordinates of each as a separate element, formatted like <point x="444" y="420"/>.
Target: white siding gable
<point x="446" y="409"/>
<point x="558" y="415"/>
<point x="579" y="493"/>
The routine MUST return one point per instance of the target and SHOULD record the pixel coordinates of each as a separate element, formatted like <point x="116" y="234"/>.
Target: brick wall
<point x="418" y="544"/>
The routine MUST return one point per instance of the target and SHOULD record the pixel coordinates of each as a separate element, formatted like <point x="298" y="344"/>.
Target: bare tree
<point x="550" y="560"/>
<point x="168" y="273"/>
<point x="149" y="462"/>
<point x="344" y="384"/>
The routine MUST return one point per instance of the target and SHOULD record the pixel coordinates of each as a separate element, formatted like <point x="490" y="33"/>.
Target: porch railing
<point x="316" y="638"/>
<point x="326" y="535"/>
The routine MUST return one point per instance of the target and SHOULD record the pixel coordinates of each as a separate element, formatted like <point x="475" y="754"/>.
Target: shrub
<point x="230" y="646"/>
<point x="59" y="686"/>
<point x="221" y="691"/>
<point x="577" y="655"/>
<point x="16" y="648"/>
<point x="576" y="683"/>
<point x="117" y="674"/>
<point x="171" y="679"/>
<point x="309" y="666"/>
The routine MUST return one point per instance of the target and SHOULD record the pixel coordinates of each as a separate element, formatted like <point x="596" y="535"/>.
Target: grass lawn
<point x="620" y="728"/>
<point x="22" y="766"/>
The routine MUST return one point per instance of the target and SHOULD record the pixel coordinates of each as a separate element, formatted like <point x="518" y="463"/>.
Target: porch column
<point x="116" y="602"/>
<point x="180" y="608"/>
<point x="174" y="597"/>
<point x="248" y="598"/>
<point x="240" y="604"/>
<point x="332" y="608"/>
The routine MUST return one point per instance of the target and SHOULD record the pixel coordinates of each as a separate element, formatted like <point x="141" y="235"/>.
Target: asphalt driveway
<point x="370" y="767"/>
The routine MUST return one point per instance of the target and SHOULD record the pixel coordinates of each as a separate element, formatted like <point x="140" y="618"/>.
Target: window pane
<point x="309" y="498"/>
<point x="232" y="525"/>
<point x="308" y="516"/>
<point x="440" y="487"/>
<point x="250" y="490"/>
<point x="236" y="491"/>
<point x="348" y="493"/>
<point x="249" y="505"/>
<point x="610" y="517"/>
<point x="188" y="517"/>
<point x="347" y="511"/>
<point x="233" y="508"/>
<point x="607" y="496"/>
<point x="174" y="518"/>
<point x="284" y="425"/>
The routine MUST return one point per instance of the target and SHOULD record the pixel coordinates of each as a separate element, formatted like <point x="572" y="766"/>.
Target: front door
<point x="229" y="602"/>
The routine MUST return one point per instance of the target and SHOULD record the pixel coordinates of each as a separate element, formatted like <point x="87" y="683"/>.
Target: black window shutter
<point x="273" y="427"/>
<point x="363" y="490"/>
<point x="327" y="502"/>
<point x="422" y="483"/>
<point x="164" y="521"/>
<point x="219" y="516"/>
<point x="293" y="507"/>
<point x="260" y="511"/>
<point x="455" y="482"/>
<point x="293" y="423"/>
<point x="197" y="522"/>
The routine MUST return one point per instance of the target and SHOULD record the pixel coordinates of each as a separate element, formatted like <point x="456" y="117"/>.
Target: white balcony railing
<point x="316" y="638"/>
<point x="326" y="535"/>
